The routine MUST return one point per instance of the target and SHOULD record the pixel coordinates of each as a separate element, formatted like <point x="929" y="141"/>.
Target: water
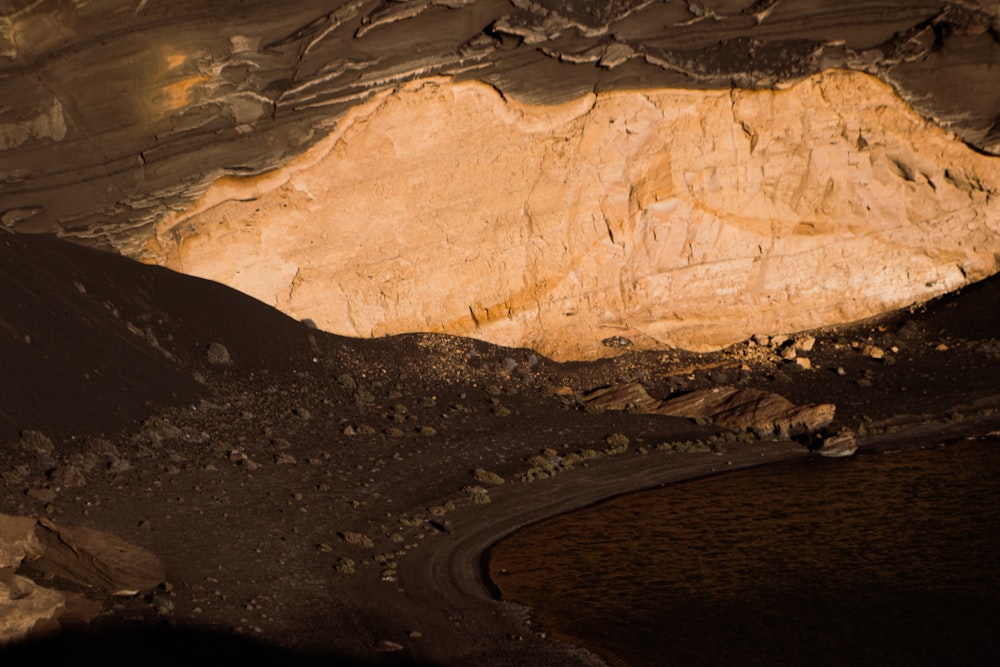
<point x="881" y="559"/>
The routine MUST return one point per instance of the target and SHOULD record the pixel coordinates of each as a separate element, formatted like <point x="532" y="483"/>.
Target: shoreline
<point x="445" y="585"/>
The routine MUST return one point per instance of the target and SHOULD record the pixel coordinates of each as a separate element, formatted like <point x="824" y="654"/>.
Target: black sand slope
<point x="93" y="342"/>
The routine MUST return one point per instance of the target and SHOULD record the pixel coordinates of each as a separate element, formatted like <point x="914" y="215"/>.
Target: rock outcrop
<point x="24" y="605"/>
<point x="81" y="555"/>
<point x="763" y="413"/>
<point x="838" y="446"/>
<point x="667" y="217"/>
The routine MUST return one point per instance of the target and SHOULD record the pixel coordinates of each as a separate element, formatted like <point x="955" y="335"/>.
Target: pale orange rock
<point x="25" y="607"/>
<point x="668" y="217"/>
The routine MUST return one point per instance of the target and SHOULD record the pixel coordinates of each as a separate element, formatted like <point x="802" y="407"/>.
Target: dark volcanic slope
<point x="318" y="497"/>
<point x="115" y="111"/>
<point x="91" y="341"/>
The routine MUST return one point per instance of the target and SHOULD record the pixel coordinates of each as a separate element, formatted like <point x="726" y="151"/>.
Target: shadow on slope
<point x="92" y="342"/>
<point x="170" y="647"/>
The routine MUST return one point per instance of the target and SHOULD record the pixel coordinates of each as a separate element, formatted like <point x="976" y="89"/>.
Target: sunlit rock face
<point x="548" y="172"/>
<point x="668" y="217"/>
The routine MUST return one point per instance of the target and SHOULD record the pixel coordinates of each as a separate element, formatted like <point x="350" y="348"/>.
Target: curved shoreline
<point x="444" y="578"/>
<point x="443" y="589"/>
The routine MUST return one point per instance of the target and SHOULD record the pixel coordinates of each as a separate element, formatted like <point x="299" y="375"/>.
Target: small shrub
<point x="357" y="539"/>
<point x="541" y="462"/>
<point x="344" y="565"/>
<point x="617" y="444"/>
<point x="443" y="508"/>
<point x="477" y="494"/>
<point x="687" y="446"/>
<point x="617" y="440"/>
<point x="346" y="381"/>
<point x="428" y="431"/>
<point x="534" y="473"/>
<point x="487" y="477"/>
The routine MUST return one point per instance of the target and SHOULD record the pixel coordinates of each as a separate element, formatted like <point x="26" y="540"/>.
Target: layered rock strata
<point x="118" y="115"/>
<point x="118" y="111"/>
<point x="660" y="217"/>
<point x="763" y="413"/>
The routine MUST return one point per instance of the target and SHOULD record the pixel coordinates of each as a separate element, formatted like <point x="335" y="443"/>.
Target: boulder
<point x="82" y="555"/>
<point x="622" y="397"/>
<point x="840" y="445"/>
<point x="17" y="540"/>
<point x="24" y="606"/>
<point x="762" y="412"/>
<point x="97" y="559"/>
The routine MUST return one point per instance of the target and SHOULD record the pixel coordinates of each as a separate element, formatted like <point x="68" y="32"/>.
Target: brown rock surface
<point x="97" y="559"/>
<point x="839" y="445"/>
<point x="763" y="412"/>
<point x="759" y="411"/>
<point x="472" y="211"/>
<point x="670" y="217"/>
<point x="84" y="556"/>
<point x="622" y="397"/>
<point x="116" y="112"/>
<point x="26" y="607"/>
<point x="17" y="540"/>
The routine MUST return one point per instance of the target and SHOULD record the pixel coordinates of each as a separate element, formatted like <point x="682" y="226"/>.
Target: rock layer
<point x="668" y="217"/>
<point x="116" y="112"/>
<point x="764" y="413"/>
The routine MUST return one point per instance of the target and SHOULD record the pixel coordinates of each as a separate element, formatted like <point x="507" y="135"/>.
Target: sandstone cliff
<point x="668" y="217"/>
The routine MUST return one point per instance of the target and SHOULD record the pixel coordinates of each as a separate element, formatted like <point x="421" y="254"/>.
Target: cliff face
<point x="688" y="218"/>
<point x="547" y="173"/>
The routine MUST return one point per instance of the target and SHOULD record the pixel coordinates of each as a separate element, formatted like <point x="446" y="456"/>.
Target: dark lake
<point x="880" y="559"/>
